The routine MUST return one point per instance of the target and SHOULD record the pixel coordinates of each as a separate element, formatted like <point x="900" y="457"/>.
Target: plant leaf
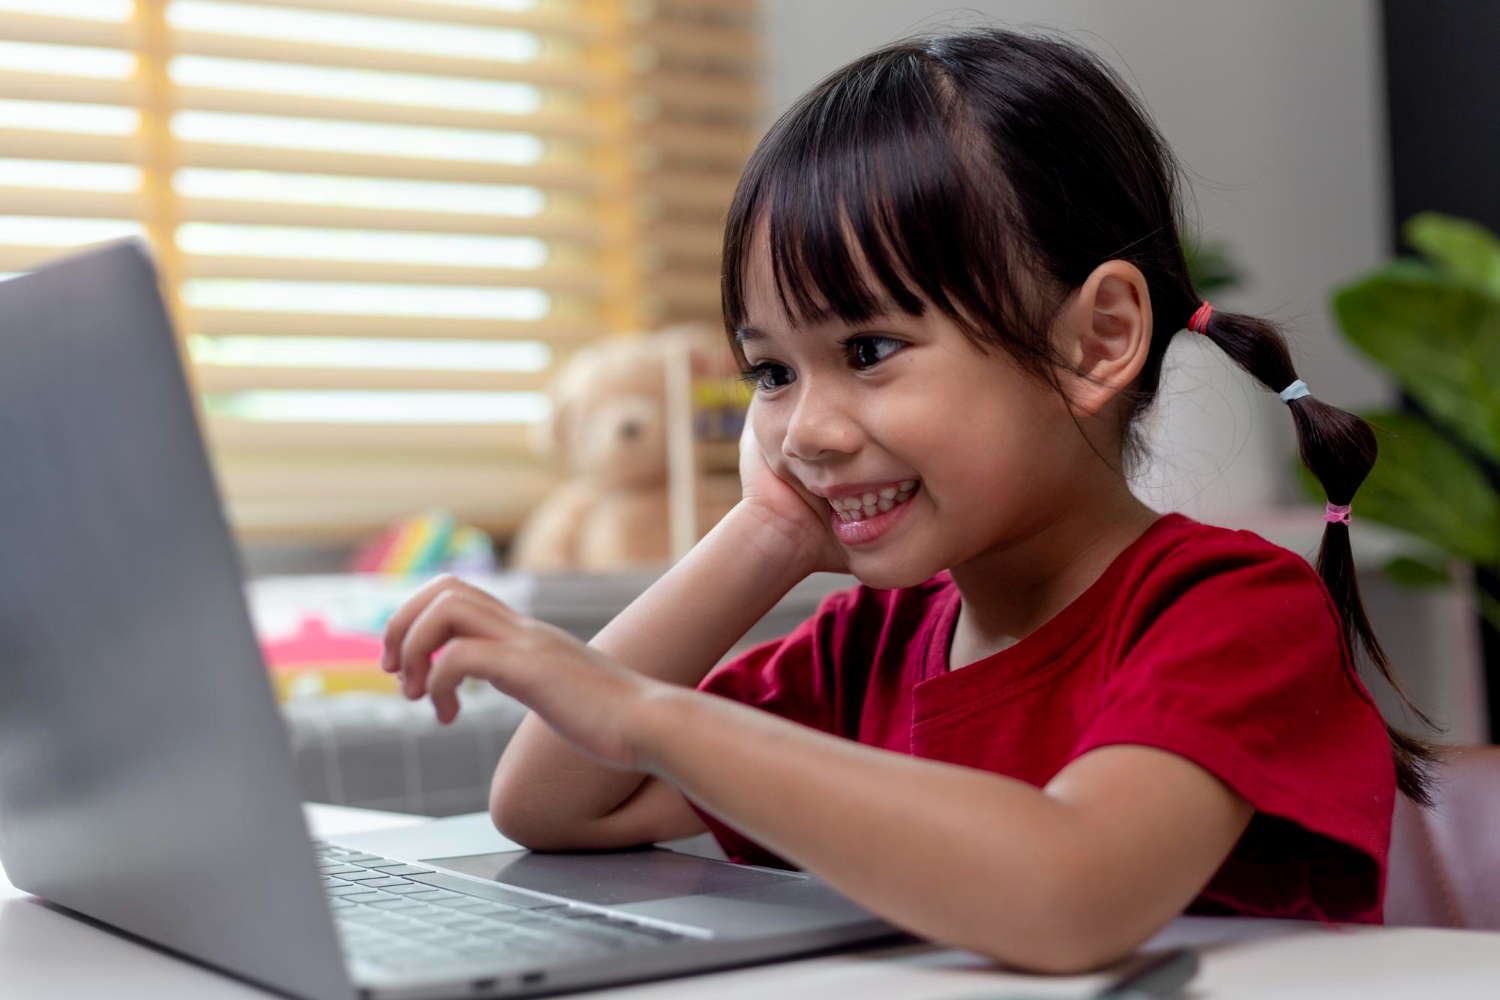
<point x="1439" y="337"/>
<point x="1463" y="249"/>
<point x="1424" y="485"/>
<point x="1410" y="572"/>
<point x="1211" y="266"/>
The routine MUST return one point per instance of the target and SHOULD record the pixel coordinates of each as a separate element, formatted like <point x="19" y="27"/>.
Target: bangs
<point x="869" y="206"/>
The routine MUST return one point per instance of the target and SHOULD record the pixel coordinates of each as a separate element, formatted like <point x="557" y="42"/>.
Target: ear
<point x="1104" y="330"/>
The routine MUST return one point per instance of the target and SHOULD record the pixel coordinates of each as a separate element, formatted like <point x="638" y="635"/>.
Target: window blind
<point x="382" y="224"/>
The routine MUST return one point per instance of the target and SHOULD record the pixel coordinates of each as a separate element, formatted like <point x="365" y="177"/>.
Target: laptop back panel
<point x="145" y="776"/>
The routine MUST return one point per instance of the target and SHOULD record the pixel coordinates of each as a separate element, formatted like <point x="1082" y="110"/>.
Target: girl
<point x="1049" y="720"/>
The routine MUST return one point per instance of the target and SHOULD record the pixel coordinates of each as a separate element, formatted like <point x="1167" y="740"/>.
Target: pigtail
<point x="1339" y="448"/>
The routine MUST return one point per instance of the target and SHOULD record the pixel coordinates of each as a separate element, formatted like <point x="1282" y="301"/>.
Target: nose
<point x="820" y="424"/>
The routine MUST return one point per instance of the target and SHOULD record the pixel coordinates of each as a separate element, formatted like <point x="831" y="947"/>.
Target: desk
<point x="46" y="952"/>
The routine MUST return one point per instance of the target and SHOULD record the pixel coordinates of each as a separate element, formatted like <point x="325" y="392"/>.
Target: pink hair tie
<point x="1337" y="512"/>
<point x="1198" y="323"/>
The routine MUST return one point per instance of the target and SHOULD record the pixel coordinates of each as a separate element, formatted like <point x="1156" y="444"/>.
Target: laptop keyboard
<point x="404" y="917"/>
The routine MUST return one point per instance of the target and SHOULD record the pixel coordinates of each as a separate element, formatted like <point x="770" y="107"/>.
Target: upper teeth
<point x="873" y="502"/>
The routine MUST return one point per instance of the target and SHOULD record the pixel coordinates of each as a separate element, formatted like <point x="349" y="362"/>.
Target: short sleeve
<point x="1231" y="656"/>
<point x="792" y="677"/>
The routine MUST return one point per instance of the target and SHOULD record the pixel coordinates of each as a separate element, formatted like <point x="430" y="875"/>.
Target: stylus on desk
<point x="1159" y="978"/>
<point x="1163" y="976"/>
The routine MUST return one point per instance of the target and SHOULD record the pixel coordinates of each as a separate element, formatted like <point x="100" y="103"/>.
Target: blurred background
<point x="407" y="242"/>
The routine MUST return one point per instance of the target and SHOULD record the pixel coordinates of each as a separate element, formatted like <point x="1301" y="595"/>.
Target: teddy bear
<point x="608" y="431"/>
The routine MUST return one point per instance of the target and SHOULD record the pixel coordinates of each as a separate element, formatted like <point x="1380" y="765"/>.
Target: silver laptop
<point x="145" y="775"/>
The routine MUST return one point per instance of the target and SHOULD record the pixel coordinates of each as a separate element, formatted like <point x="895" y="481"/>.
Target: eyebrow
<point x="882" y="311"/>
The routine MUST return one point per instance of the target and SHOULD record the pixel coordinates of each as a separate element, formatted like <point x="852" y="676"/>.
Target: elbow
<point x="526" y="828"/>
<point x="1076" y="929"/>
<point x="535" y="825"/>
<point x="515" y="819"/>
<point x="1061" y="954"/>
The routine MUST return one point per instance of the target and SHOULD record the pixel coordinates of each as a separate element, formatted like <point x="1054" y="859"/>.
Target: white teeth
<point x="853" y="508"/>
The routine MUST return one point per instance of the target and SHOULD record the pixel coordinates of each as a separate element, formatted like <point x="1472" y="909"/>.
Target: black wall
<point x="1443" y="93"/>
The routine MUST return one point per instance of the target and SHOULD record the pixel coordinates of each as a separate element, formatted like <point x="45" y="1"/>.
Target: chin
<point x="893" y="575"/>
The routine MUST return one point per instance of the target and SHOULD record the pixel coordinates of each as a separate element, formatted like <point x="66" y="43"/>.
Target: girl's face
<point x="983" y="454"/>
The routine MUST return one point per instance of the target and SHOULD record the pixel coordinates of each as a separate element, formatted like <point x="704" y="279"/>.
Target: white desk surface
<point x="48" y="952"/>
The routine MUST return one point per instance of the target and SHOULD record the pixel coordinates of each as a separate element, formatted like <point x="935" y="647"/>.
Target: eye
<point x="756" y="376"/>
<point x="866" y="352"/>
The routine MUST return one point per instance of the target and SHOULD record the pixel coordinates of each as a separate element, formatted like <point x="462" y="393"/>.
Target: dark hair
<point x="989" y="172"/>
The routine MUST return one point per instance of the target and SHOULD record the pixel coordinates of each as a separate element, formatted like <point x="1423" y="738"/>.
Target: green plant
<point x="1433" y="322"/>
<point x="1211" y="266"/>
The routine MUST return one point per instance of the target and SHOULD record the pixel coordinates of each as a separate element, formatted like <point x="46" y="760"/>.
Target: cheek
<point x="769" y="434"/>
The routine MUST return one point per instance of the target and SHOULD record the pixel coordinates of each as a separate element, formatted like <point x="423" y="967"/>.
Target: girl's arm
<point x="1060" y="879"/>
<point x="547" y="795"/>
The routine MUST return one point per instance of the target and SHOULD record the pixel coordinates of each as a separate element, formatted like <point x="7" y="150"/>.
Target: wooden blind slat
<point x="226" y="322"/>
<point x="567" y="75"/>
<point x="543" y="21"/>
<point x="732" y="98"/>
<point x="697" y="41"/>
<point x="550" y="227"/>
<point x="551" y="125"/>
<point x="67" y="30"/>
<point x="68" y="204"/>
<point x="490" y="484"/>
<point x="240" y="378"/>
<point x="301" y="269"/>
<point x="16" y="85"/>
<point x="311" y="161"/>
<point x="349" y="519"/>
<point x="34" y="144"/>
<point x="491" y="441"/>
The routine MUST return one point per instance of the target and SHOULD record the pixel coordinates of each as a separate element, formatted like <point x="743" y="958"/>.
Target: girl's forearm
<point x="966" y="857"/>
<point x="675" y="632"/>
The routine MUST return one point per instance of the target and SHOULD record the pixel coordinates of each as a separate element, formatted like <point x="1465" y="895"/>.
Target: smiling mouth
<point x="857" y="507"/>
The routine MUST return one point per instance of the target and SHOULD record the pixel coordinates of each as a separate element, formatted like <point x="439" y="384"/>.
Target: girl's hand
<point x="587" y="698"/>
<point x="804" y="527"/>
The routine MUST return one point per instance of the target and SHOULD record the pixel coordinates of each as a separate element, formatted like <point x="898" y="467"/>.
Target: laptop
<point x="145" y="775"/>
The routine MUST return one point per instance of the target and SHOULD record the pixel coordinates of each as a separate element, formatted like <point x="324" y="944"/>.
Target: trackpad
<point x="613" y="877"/>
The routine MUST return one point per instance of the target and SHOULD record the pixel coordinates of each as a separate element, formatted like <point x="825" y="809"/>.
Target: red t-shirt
<point x="1215" y="645"/>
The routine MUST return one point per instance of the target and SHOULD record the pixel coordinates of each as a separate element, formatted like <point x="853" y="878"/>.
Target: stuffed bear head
<point x="608" y="420"/>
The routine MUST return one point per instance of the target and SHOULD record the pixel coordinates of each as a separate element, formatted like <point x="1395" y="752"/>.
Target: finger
<point x="453" y="614"/>
<point x="398" y="624"/>
<point x="461" y="658"/>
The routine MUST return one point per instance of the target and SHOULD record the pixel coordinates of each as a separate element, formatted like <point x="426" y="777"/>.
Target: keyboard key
<point x="461" y="902"/>
<point x="348" y="889"/>
<point x="386" y="883"/>
<point x="360" y="895"/>
<point x="435" y="894"/>
<point x="469" y="925"/>
<point x="452" y="916"/>
<point x="410" y="889"/>
<point x="398" y="868"/>
<point x="398" y="903"/>
<point x="359" y="859"/>
<point x="358" y="875"/>
<point x="339" y="869"/>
